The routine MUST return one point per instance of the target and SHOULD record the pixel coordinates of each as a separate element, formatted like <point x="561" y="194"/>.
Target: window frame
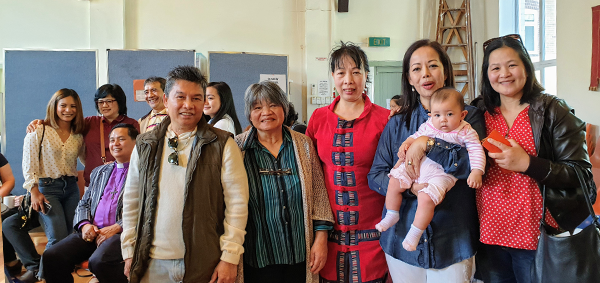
<point x="542" y="64"/>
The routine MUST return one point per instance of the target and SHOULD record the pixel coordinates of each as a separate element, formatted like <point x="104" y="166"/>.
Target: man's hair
<point x="185" y="73"/>
<point x="131" y="130"/>
<point x="160" y="80"/>
<point x="446" y="93"/>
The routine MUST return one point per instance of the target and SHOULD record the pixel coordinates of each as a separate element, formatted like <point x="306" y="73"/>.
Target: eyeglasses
<point x="513" y="36"/>
<point x="154" y="91"/>
<point x="173" y="158"/>
<point x="107" y="101"/>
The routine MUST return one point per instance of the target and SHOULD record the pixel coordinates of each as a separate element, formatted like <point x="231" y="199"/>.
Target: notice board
<point x="31" y="77"/>
<point x="240" y="70"/>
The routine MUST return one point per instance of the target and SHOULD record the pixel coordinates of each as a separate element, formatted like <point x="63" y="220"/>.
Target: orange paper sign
<point x="138" y="91"/>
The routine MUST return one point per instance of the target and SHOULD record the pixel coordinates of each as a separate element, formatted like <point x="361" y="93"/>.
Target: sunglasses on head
<point x="513" y="36"/>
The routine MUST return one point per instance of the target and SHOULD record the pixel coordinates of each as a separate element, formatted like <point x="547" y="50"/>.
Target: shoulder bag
<point x="28" y="216"/>
<point x="574" y="258"/>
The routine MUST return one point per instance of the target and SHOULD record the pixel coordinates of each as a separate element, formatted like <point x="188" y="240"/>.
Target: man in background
<point x="154" y="88"/>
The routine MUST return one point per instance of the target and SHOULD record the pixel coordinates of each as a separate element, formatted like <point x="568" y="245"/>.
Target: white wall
<point x="266" y="26"/>
<point x="57" y="24"/>
<point x="574" y="54"/>
<point x="398" y="20"/>
<point x="301" y="29"/>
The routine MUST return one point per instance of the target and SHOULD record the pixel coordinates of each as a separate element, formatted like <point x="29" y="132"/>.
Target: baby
<point x="446" y="122"/>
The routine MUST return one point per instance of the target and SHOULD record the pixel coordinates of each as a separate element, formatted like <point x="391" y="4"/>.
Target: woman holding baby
<point x="444" y="251"/>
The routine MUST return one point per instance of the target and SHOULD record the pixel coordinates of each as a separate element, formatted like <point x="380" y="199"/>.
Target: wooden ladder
<point x="453" y="32"/>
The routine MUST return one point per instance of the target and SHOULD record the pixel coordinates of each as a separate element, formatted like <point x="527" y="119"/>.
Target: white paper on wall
<point x="278" y="79"/>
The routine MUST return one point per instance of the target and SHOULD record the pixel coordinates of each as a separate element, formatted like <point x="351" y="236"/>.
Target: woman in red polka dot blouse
<point x="544" y="136"/>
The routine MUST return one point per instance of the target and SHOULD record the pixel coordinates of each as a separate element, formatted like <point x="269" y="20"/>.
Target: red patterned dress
<point x="346" y="150"/>
<point x="510" y="205"/>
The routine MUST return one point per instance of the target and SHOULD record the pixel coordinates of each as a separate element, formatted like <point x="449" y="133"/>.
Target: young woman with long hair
<point x="220" y="108"/>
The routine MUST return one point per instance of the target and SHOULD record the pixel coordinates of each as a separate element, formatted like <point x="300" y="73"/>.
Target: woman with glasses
<point x="111" y="104"/>
<point x="445" y="250"/>
<point x="545" y="139"/>
<point x="345" y="134"/>
<point x="289" y="216"/>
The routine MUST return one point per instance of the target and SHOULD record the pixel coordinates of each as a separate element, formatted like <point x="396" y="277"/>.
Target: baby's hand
<point x="400" y="161"/>
<point x="474" y="180"/>
<point x="402" y="151"/>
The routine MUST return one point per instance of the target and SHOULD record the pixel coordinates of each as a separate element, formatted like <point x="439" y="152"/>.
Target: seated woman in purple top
<point x="97" y="220"/>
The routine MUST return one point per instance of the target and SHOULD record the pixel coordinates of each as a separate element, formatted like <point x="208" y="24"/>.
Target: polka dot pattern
<point x="510" y="205"/>
<point x="58" y="158"/>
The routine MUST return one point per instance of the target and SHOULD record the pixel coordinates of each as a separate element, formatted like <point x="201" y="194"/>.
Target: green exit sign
<point x="379" y="41"/>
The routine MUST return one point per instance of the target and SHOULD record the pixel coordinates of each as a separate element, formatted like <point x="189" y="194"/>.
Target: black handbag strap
<point x="41" y="141"/>
<point x="584" y="186"/>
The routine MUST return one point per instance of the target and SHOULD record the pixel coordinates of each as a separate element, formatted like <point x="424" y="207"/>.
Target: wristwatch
<point x="430" y="143"/>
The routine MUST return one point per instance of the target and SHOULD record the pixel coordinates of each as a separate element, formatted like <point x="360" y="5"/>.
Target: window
<point x="529" y="17"/>
<point x="535" y="21"/>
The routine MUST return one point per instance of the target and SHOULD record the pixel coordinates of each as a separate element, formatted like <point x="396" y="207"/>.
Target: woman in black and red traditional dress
<point x="345" y="134"/>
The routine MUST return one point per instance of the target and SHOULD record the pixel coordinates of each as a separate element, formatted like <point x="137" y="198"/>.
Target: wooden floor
<point x="40" y="240"/>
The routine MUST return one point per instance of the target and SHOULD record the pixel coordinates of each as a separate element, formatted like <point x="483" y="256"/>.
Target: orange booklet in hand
<point x="494" y="149"/>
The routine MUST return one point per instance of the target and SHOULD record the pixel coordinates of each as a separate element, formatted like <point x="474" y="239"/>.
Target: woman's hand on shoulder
<point x="33" y="125"/>
<point x="513" y="158"/>
<point x="393" y="112"/>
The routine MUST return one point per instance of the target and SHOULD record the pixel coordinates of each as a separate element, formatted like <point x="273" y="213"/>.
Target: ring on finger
<point x="409" y="162"/>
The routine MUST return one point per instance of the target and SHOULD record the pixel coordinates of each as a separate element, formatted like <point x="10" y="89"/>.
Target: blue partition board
<point x="125" y="66"/>
<point x="240" y="70"/>
<point x="31" y="78"/>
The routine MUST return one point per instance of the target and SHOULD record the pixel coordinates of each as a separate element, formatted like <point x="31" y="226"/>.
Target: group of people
<point x="103" y="143"/>
<point x="364" y="195"/>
